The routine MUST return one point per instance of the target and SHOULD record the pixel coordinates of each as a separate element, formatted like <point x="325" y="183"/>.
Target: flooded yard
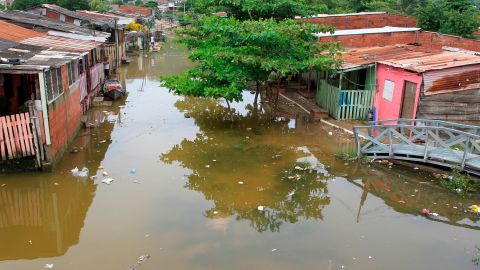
<point x="198" y="187"/>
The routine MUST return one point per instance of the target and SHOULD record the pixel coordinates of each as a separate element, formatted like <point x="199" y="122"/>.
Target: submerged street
<point x="196" y="187"/>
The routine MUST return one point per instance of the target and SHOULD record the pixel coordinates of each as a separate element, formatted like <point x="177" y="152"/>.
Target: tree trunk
<point x="256" y="93"/>
<point x="276" y="100"/>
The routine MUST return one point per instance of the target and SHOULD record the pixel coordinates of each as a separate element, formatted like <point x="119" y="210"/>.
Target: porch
<point x="347" y="95"/>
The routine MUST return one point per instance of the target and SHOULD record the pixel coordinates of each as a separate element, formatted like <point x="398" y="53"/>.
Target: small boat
<point x="113" y="89"/>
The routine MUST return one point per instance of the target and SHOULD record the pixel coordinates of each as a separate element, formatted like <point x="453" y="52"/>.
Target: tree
<point x="98" y="5"/>
<point x="256" y="9"/>
<point x="449" y="17"/>
<point x="25" y="4"/>
<point x="73" y="4"/>
<point x="150" y="4"/>
<point x="230" y="53"/>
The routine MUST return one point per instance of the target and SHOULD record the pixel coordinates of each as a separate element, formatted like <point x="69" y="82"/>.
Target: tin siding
<point x="452" y="80"/>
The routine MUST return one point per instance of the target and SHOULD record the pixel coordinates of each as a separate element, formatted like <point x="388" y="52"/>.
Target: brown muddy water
<point x="193" y="202"/>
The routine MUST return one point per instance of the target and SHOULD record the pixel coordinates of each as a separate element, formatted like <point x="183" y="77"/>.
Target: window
<point x="72" y="68"/>
<point x="53" y="83"/>
<point x="388" y="88"/>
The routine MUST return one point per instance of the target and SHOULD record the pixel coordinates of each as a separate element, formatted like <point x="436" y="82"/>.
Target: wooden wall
<point x="460" y="106"/>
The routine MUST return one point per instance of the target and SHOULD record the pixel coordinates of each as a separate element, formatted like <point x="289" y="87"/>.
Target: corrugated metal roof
<point x="62" y="43"/>
<point x="136" y="10"/>
<point x="29" y="20"/>
<point x="436" y="61"/>
<point x="13" y="32"/>
<point x="408" y="57"/>
<point x="452" y="79"/>
<point x="35" y="58"/>
<point x="82" y="17"/>
<point x="386" y="29"/>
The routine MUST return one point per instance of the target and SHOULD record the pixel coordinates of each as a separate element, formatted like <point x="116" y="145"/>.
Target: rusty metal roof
<point x="408" y="57"/>
<point x="102" y="22"/>
<point x="136" y="10"/>
<point x="62" y="43"/>
<point x="13" y="32"/>
<point x="43" y="24"/>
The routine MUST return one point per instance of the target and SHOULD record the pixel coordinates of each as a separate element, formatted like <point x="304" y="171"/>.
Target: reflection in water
<point x="46" y="216"/>
<point x="267" y="177"/>
<point x="406" y="193"/>
<point x="41" y="215"/>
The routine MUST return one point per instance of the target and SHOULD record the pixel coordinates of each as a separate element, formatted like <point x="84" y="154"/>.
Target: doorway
<point x="408" y="101"/>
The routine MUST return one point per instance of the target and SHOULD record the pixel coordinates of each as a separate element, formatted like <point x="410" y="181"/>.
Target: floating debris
<point x="330" y="133"/>
<point x="273" y="250"/>
<point x="215" y="212"/>
<point x="107" y="181"/>
<point x="80" y="173"/>
<point x="4" y="185"/>
<point x="48" y="266"/>
<point x="141" y="260"/>
<point x="207" y="166"/>
<point x="132" y="170"/>
<point x="105" y="173"/>
<point x="56" y="184"/>
<point x="260" y="208"/>
<point x="475" y="209"/>
<point x="240" y="182"/>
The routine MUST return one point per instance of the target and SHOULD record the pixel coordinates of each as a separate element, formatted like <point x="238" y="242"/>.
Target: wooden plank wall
<point x="16" y="137"/>
<point x="460" y="106"/>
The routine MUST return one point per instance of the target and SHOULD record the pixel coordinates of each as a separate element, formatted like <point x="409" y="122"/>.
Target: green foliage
<point x="150" y="4"/>
<point x="349" y="155"/>
<point x="25" y="4"/>
<point x="256" y="9"/>
<point x="230" y="53"/>
<point x="73" y="4"/>
<point x="138" y="2"/>
<point x="458" y="182"/>
<point x="449" y="17"/>
<point x="98" y="5"/>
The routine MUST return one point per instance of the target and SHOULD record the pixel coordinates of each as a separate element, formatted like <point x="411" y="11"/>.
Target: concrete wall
<point x="64" y="115"/>
<point x="386" y="109"/>
<point x="365" y="21"/>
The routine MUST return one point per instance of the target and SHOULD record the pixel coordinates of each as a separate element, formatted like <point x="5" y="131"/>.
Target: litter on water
<point x="260" y="208"/>
<point x="107" y="181"/>
<point x="132" y="171"/>
<point x="80" y="173"/>
<point x="48" y="266"/>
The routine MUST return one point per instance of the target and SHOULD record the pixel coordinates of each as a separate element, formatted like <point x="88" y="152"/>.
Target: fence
<point x="16" y="137"/>
<point x="344" y="104"/>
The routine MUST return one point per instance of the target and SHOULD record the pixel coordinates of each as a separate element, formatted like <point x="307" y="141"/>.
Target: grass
<point x="351" y="155"/>
<point x="458" y="182"/>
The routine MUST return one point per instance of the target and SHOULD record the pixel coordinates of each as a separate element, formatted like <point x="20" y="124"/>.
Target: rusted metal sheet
<point x="409" y="57"/>
<point x="62" y="43"/>
<point x="452" y="79"/>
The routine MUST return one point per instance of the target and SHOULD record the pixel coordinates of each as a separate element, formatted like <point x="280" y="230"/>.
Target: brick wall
<point x="370" y="40"/>
<point x="52" y="14"/>
<point x="427" y="39"/>
<point x="365" y="21"/>
<point x="64" y="115"/>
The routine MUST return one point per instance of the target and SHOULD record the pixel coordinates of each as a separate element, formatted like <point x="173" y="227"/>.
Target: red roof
<point x="135" y="10"/>
<point x="16" y="33"/>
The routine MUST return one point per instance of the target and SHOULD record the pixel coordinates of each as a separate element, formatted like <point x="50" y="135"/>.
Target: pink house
<point x="398" y="93"/>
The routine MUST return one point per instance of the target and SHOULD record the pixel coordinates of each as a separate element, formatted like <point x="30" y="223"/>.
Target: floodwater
<point x="189" y="178"/>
